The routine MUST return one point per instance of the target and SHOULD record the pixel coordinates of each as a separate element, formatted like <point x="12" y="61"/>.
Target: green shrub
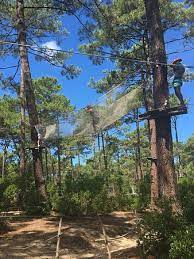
<point x="10" y="189"/>
<point x="87" y="195"/>
<point x="182" y="244"/>
<point x="11" y="194"/>
<point x="157" y="228"/>
<point x="4" y="226"/>
<point x="30" y="198"/>
<point x="186" y="196"/>
<point x="141" y="199"/>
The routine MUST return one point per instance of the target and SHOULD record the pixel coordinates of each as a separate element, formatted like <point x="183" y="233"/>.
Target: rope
<point x="113" y="56"/>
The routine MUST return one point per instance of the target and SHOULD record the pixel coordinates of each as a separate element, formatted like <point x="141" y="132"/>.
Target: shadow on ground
<point x="81" y="237"/>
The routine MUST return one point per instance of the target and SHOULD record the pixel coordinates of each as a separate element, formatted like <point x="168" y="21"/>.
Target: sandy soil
<point x="81" y="237"/>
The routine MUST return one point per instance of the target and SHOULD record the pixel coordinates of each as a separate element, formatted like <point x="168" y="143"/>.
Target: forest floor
<point x="82" y="237"/>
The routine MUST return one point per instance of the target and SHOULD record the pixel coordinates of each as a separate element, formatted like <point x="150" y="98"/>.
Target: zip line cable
<point x="85" y="6"/>
<point x="87" y="54"/>
<point x="2" y="68"/>
<point x="35" y="48"/>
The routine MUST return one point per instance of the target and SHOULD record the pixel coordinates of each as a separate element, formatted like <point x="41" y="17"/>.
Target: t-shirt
<point x="179" y="71"/>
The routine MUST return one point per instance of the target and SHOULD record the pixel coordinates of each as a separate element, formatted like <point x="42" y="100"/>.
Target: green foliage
<point x="186" y="196"/>
<point x="51" y="104"/>
<point x="182" y="244"/>
<point x="9" y="116"/>
<point x="20" y="193"/>
<point x="10" y="188"/>
<point x="120" y="27"/>
<point x="157" y="228"/>
<point x="87" y="195"/>
<point x="4" y="226"/>
<point x="144" y="192"/>
<point x="30" y="198"/>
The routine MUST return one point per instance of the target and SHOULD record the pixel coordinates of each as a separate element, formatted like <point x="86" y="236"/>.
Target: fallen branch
<point x="113" y="238"/>
<point x="131" y="250"/>
<point x="105" y="237"/>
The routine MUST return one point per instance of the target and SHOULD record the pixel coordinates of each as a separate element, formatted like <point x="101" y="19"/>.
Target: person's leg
<point x="179" y="95"/>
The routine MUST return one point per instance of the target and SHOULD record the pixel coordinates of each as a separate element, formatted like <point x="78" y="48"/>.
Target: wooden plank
<point x="32" y="146"/>
<point x="156" y="113"/>
<point x="58" y="239"/>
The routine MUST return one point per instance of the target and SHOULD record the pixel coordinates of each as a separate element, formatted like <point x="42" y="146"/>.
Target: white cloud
<point x="51" y="45"/>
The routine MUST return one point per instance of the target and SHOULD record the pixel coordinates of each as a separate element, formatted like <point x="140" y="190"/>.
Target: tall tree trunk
<point x="94" y="155"/>
<point x="22" y="164"/>
<point x="138" y="150"/>
<point x="78" y="159"/>
<point x="4" y="159"/>
<point x="53" y="167"/>
<point x="58" y="158"/>
<point x="59" y="167"/>
<point x="149" y="105"/>
<point x="179" y="174"/>
<point x="104" y="152"/>
<point x="99" y="152"/>
<point x="136" y="178"/>
<point x="153" y="148"/>
<point x="165" y="164"/>
<point x="46" y="165"/>
<point x="30" y="100"/>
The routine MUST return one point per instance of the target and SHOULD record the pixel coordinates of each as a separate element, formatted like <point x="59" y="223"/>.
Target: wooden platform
<point x="163" y="112"/>
<point x="32" y="146"/>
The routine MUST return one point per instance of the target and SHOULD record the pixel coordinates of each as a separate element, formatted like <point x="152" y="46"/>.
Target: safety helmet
<point x="176" y="60"/>
<point x="89" y="108"/>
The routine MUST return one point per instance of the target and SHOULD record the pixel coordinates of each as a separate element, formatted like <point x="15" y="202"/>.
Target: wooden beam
<point x="163" y="112"/>
<point x="32" y="146"/>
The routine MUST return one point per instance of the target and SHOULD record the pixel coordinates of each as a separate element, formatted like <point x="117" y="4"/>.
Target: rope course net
<point x="95" y="118"/>
<point x="108" y="109"/>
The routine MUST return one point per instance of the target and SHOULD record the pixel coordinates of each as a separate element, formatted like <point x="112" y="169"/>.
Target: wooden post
<point x="58" y="239"/>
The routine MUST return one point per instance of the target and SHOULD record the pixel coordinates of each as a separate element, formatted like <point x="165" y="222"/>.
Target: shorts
<point x="177" y="83"/>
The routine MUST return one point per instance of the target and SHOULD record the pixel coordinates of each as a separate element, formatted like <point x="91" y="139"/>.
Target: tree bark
<point x="138" y="150"/>
<point x="59" y="167"/>
<point x="4" y="159"/>
<point x="179" y="173"/>
<point x="58" y="158"/>
<point x="152" y="137"/>
<point x="165" y="164"/>
<point x="22" y="164"/>
<point x="30" y="100"/>
<point x="46" y="165"/>
<point x="99" y="152"/>
<point x="104" y="152"/>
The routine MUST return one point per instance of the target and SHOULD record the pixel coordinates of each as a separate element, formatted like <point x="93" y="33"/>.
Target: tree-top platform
<point x="163" y="112"/>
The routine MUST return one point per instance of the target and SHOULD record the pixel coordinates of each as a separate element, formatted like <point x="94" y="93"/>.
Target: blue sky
<point x="80" y="94"/>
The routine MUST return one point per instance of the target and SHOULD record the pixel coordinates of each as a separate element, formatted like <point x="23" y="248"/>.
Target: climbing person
<point x="178" y="70"/>
<point x="95" y="117"/>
